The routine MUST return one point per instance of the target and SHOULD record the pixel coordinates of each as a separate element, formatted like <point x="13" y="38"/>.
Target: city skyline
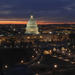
<point x="37" y="37"/>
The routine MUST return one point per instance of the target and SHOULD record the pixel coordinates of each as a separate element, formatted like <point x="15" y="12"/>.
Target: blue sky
<point x="50" y="10"/>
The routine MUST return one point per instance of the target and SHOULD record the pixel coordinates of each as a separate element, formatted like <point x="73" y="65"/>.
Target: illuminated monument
<point x="32" y="27"/>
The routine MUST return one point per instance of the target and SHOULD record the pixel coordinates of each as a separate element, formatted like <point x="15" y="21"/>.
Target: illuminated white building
<point x="32" y="27"/>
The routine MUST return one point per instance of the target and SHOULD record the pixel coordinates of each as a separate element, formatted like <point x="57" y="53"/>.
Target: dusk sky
<point x="48" y="10"/>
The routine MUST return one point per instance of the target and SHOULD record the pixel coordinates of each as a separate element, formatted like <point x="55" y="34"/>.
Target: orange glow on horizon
<point x="13" y="22"/>
<point x="38" y="22"/>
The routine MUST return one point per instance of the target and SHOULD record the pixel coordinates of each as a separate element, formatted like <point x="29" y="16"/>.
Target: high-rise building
<point x="32" y="27"/>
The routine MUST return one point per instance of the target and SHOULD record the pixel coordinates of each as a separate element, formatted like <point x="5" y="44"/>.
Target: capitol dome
<point x="32" y="27"/>
<point x="31" y="22"/>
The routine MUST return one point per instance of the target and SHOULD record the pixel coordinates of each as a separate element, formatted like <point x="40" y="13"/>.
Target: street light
<point x="55" y="66"/>
<point x="38" y="62"/>
<point x="22" y="61"/>
<point x="6" y="66"/>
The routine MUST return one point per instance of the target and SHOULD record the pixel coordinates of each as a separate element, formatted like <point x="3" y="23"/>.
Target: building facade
<point x="32" y="27"/>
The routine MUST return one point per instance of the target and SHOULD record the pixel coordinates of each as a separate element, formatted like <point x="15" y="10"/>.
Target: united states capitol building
<point x="32" y="27"/>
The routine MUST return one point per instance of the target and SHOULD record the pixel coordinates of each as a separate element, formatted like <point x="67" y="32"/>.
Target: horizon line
<point x="38" y="22"/>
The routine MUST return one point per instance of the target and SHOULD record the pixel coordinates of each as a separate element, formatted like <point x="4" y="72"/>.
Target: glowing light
<point x="33" y="56"/>
<point x="60" y="58"/>
<point x="28" y="37"/>
<point x="73" y="62"/>
<point x="22" y="61"/>
<point x="38" y="62"/>
<point x="41" y="37"/>
<point x="36" y="52"/>
<point x="50" y="32"/>
<point x="14" y="29"/>
<point x="6" y="66"/>
<point x="50" y="52"/>
<point x="55" y="66"/>
<point x="31" y="17"/>
<point x="63" y="49"/>
<point x="54" y="49"/>
<point x="69" y="54"/>
<point x="46" y="52"/>
<point x="66" y="60"/>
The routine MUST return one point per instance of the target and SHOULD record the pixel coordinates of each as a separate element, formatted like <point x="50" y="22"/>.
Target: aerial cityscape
<point x="37" y="37"/>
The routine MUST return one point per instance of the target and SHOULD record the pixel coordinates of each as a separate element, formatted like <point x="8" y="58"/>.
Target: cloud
<point x="70" y="6"/>
<point x="5" y="12"/>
